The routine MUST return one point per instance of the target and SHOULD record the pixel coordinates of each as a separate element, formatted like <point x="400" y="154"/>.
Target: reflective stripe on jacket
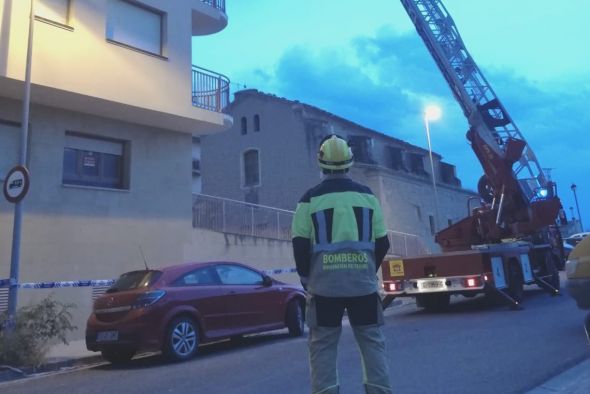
<point x="342" y="219"/>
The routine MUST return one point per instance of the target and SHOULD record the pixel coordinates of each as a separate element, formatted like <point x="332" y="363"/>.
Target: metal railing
<point x="219" y="4"/>
<point x="404" y="244"/>
<point x="210" y="90"/>
<point x="242" y="218"/>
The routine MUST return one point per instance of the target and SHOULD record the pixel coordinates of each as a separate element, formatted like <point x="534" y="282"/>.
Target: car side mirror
<point x="266" y="281"/>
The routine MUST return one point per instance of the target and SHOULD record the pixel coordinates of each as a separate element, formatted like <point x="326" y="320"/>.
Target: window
<point x="56" y="11"/>
<point x="418" y="212"/>
<point x="432" y="226"/>
<point x="361" y="147"/>
<point x="234" y="275"/>
<point x="135" y="26"/>
<point x="196" y="166"/>
<point x="251" y="167"/>
<point x="395" y="158"/>
<point x="202" y="276"/>
<point x="417" y="164"/>
<point x="244" y="125"/>
<point x="447" y="174"/>
<point x="91" y="161"/>
<point x="256" y="122"/>
<point x="135" y="280"/>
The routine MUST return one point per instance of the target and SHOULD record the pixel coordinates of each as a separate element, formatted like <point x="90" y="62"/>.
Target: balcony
<point x="208" y="17"/>
<point x="210" y="90"/>
<point x="219" y="4"/>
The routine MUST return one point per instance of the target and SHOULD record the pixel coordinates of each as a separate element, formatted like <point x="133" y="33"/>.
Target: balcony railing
<point x="403" y="244"/>
<point x="210" y="90"/>
<point x="242" y="218"/>
<point x="219" y="4"/>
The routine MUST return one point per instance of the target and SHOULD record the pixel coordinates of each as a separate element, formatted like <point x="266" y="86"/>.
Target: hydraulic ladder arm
<point x="513" y="176"/>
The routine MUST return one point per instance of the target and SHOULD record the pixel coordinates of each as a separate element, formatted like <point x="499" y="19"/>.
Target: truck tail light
<point x="472" y="282"/>
<point x="398" y="285"/>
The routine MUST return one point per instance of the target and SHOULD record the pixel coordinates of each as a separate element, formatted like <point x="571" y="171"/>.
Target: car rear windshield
<point x="134" y="280"/>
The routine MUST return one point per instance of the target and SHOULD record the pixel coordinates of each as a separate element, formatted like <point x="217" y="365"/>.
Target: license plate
<point x="433" y="284"/>
<point x="107" y="336"/>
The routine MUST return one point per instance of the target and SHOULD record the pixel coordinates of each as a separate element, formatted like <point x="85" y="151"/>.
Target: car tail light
<point x="472" y="282"/>
<point x="148" y="298"/>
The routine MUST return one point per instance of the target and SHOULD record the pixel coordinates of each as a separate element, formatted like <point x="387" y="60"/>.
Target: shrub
<point x="37" y="328"/>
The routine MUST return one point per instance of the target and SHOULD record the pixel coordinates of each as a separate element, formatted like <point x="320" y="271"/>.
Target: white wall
<point x="70" y="67"/>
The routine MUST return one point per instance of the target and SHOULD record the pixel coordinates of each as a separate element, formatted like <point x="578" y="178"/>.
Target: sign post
<point x="11" y="184"/>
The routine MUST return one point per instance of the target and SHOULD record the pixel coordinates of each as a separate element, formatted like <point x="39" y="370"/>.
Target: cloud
<point x="384" y="81"/>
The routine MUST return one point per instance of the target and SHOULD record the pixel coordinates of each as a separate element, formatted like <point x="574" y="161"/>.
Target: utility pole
<point x="574" y="187"/>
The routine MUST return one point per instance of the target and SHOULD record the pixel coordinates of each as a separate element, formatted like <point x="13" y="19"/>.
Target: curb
<point x="52" y="365"/>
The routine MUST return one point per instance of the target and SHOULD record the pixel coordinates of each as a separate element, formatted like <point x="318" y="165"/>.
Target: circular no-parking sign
<point x="16" y="184"/>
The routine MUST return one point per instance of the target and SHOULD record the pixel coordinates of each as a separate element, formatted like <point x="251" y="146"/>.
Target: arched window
<point x="251" y="165"/>
<point x="244" y="122"/>
<point x="256" y="122"/>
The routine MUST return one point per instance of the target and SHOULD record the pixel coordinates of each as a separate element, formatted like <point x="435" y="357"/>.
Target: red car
<point x="175" y="309"/>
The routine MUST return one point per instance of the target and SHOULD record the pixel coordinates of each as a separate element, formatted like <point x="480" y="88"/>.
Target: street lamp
<point x="573" y="187"/>
<point x="432" y="113"/>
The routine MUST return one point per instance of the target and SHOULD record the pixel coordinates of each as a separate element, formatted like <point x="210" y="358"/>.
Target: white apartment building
<point x="115" y="105"/>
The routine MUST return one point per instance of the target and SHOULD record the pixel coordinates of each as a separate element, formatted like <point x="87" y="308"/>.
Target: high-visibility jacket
<point x="338" y="222"/>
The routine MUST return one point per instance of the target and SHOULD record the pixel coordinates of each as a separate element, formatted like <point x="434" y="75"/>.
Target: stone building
<point x="268" y="157"/>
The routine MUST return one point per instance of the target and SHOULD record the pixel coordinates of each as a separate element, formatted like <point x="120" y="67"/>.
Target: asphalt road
<point x="471" y="348"/>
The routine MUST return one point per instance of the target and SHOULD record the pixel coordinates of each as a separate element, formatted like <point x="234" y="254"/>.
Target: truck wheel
<point x="551" y="271"/>
<point x="515" y="282"/>
<point x="433" y="302"/>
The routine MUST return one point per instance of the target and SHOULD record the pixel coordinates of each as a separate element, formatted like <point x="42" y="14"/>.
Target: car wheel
<point x="118" y="355"/>
<point x="182" y="339"/>
<point x="295" y="318"/>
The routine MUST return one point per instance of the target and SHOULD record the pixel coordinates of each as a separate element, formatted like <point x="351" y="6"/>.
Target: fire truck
<point x="511" y="239"/>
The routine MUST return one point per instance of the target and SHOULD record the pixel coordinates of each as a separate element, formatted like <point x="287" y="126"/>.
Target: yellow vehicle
<point x="577" y="270"/>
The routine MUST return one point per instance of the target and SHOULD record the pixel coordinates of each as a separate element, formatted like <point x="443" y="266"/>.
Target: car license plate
<point x="107" y="336"/>
<point x="433" y="284"/>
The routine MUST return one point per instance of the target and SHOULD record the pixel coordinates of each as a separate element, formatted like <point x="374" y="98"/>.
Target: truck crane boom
<point x="480" y="104"/>
<point x="513" y="178"/>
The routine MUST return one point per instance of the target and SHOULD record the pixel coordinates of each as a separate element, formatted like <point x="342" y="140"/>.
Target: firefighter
<point x="339" y="240"/>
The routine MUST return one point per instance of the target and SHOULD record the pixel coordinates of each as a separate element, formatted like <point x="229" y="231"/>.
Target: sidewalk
<point x="76" y="350"/>
<point x="575" y="380"/>
<point x="61" y="357"/>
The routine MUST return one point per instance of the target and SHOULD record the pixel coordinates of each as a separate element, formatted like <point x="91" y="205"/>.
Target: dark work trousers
<point x="324" y="318"/>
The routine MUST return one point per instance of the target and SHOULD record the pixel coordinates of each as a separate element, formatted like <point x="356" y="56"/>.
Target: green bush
<point x="37" y="328"/>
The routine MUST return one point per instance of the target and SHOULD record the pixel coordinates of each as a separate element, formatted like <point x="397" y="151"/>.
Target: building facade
<point x="268" y="157"/>
<point x="115" y="104"/>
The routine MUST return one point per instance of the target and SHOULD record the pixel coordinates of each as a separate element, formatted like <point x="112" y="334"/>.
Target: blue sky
<point x="364" y="61"/>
